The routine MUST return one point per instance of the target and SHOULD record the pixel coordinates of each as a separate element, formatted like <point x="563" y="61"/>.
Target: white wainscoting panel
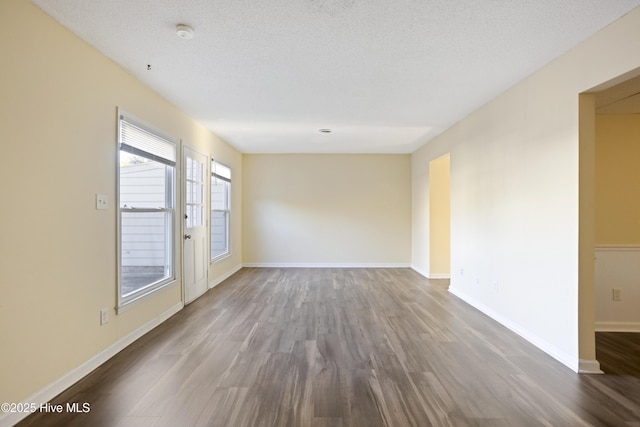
<point x="617" y="267"/>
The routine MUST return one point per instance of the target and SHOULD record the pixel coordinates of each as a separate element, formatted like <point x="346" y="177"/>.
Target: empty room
<point x="319" y="213"/>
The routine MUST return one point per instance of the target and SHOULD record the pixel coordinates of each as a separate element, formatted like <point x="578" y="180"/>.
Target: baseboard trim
<point x="589" y="367"/>
<point x="70" y="378"/>
<point x="542" y="344"/>
<point x="216" y="281"/>
<point x="439" y="276"/>
<point x="617" y="326"/>
<point x="325" y="265"/>
<point x="430" y="275"/>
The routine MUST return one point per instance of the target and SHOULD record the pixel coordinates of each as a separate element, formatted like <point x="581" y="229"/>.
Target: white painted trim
<point x="617" y="248"/>
<point x="216" y="281"/>
<point x="589" y="367"/>
<point x="439" y="276"/>
<point x="70" y="378"/>
<point x="617" y="327"/>
<point x="567" y="360"/>
<point x="325" y="265"/>
<point x="430" y="276"/>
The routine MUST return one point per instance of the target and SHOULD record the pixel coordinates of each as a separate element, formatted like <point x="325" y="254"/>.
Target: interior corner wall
<point x="515" y="210"/>
<point x="326" y="209"/>
<point x="617" y="230"/>
<point x="57" y="252"/>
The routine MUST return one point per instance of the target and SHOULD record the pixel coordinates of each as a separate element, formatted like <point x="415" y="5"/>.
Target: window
<point x="146" y="200"/>
<point x="220" y="210"/>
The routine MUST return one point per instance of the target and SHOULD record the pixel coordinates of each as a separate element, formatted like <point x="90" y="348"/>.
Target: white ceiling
<point x="385" y="75"/>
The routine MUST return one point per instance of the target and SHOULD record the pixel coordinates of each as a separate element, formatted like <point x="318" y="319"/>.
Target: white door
<point x="194" y="248"/>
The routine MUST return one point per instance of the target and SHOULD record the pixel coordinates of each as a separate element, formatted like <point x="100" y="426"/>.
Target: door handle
<point x="187" y="236"/>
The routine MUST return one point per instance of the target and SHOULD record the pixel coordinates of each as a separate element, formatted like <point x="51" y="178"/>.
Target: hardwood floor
<point x="619" y="353"/>
<point x="340" y="347"/>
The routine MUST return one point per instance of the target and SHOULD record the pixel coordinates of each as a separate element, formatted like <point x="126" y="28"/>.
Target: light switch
<point x="102" y="202"/>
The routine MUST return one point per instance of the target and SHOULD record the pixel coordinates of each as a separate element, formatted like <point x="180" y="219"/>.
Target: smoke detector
<point x="184" y="31"/>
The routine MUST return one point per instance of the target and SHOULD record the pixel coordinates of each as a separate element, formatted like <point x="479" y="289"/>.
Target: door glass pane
<point x="199" y="216"/>
<point x="200" y="193"/>
<point x="189" y="168"/>
<point x="199" y="173"/>
<point x="194" y="193"/>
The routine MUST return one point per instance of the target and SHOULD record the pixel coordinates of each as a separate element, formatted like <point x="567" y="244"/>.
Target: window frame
<point x="171" y="208"/>
<point x="227" y="211"/>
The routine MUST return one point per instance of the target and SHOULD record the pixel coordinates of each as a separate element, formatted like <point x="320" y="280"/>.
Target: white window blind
<point x="221" y="171"/>
<point x="137" y="140"/>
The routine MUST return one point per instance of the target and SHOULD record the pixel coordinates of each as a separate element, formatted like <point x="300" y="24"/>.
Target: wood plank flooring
<point x="619" y="353"/>
<point x="340" y="347"/>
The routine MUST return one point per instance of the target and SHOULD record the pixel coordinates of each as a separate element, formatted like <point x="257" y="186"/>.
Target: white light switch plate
<point x="102" y="202"/>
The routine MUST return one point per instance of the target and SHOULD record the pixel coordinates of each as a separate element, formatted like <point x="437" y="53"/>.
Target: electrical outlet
<point x="616" y="294"/>
<point x="462" y="271"/>
<point x="104" y="316"/>
<point x="495" y="286"/>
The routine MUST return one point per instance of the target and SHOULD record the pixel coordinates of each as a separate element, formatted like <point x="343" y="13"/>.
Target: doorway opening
<point x="610" y="263"/>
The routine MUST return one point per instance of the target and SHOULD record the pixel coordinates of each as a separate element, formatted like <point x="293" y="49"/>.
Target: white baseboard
<point x="216" y="281"/>
<point x="439" y="276"/>
<point x="589" y="367"/>
<point x="617" y="327"/>
<point x="61" y="384"/>
<point x="430" y="275"/>
<point x="325" y="265"/>
<point x="571" y="362"/>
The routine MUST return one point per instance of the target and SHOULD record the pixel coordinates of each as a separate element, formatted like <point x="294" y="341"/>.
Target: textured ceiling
<point x="385" y="75"/>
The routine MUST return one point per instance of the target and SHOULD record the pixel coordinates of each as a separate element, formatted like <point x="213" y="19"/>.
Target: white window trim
<point x="124" y="303"/>
<point x="227" y="254"/>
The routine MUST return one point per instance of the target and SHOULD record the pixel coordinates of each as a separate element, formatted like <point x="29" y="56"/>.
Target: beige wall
<point x="326" y="209"/>
<point x="57" y="252"/>
<point x="516" y="221"/>
<point x="439" y="217"/>
<point x="617" y="179"/>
